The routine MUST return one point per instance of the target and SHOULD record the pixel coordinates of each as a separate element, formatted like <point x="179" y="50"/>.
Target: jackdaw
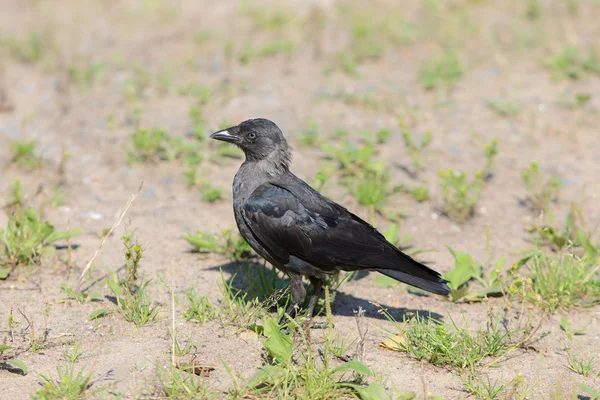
<point x="301" y="232"/>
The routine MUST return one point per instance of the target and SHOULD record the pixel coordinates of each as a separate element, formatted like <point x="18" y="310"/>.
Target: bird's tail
<point x="420" y="276"/>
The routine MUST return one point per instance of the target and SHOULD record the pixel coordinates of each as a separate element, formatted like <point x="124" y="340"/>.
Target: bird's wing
<point x="286" y="225"/>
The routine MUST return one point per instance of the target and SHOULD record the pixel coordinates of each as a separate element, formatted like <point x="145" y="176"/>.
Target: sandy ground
<point x="94" y="125"/>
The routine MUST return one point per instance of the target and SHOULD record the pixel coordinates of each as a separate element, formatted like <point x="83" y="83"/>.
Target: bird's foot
<point x="310" y="324"/>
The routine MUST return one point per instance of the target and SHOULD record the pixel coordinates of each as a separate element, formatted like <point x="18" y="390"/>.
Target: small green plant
<point x="26" y="238"/>
<point x="509" y="108"/>
<point x="138" y="307"/>
<point x="490" y="151"/>
<point x="132" y="298"/>
<point x="310" y="136"/>
<point x="181" y="383"/>
<point x="565" y="326"/>
<point x="459" y="347"/>
<point x="558" y="282"/>
<point x="23" y="154"/>
<point x="210" y="193"/>
<point x="460" y="194"/>
<point x="442" y="72"/>
<point x="250" y="53"/>
<point x="465" y="270"/>
<point x="234" y="246"/>
<point x="580" y="365"/>
<point x="11" y="364"/>
<point x="151" y="145"/>
<point x="200" y="308"/>
<point x="80" y="297"/>
<point x="68" y="385"/>
<point x="570" y="63"/>
<point x="31" y="49"/>
<point x="415" y="149"/>
<point x="542" y="188"/>
<point x="86" y="74"/>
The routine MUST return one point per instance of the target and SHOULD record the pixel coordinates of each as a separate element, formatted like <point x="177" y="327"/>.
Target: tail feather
<point x="421" y="277"/>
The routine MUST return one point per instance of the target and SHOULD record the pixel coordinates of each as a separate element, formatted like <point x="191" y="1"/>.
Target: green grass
<point x="26" y="238"/>
<point x="133" y="301"/>
<point x="68" y="385"/>
<point x="23" y="154"/>
<point x="581" y="365"/>
<point x="460" y="194"/>
<point x="459" y="347"/>
<point x="541" y="187"/>
<point x="415" y="147"/>
<point x="572" y="63"/>
<point x="250" y="53"/>
<point x="560" y="281"/>
<point x="507" y="107"/>
<point x="229" y="244"/>
<point x="442" y="72"/>
<point x="200" y="308"/>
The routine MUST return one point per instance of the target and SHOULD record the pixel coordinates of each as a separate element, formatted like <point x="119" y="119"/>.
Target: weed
<point x="297" y="370"/>
<point x="133" y="256"/>
<point x="442" y="72"/>
<point x="26" y="238"/>
<point x="11" y="364"/>
<point x="138" y="308"/>
<point x="250" y="53"/>
<point x="570" y="63"/>
<point x="565" y="326"/>
<point x="490" y="151"/>
<point x="178" y="383"/>
<point x="562" y="281"/>
<point x="72" y="353"/>
<point x="80" y="297"/>
<point x="310" y="136"/>
<point x="151" y="145"/>
<point x="509" y="108"/>
<point x="210" y="193"/>
<point x="87" y="74"/>
<point x="582" y="366"/>
<point x="489" y="389"/>
<point x="68" y="385"/>
<point x="33" y="48"/>
<point x="200" y="307"/>
<point x="415" y="149"/>
<point x="458" y="347"/>
<point x="234" y="246"/>
<point x="23" y="154"/>
<point x="420" y="193"/>
<point x="460" y="194"/>
<point x="133" y="301"/>
<point x="542" y="188"/>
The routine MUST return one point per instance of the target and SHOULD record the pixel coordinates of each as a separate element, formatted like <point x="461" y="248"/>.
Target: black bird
<point x="298" y="230"/>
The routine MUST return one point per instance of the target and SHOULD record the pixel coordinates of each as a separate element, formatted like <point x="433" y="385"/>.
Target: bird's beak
<point x="225" y="135"/>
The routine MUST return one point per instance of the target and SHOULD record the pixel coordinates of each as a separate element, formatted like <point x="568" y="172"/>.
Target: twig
<point x="110" y="231"/>
<point x="362" y="333"/>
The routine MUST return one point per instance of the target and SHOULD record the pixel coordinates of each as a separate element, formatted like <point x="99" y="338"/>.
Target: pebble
<point x="96" y="216"/>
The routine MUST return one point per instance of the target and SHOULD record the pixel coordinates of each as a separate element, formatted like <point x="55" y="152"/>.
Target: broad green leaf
<point x="589" y="390"/>
<point x="4" y="347"/>
<point x="98" y="314"/>
<point x="374" y="391"/>
<point x="19" y="364"/>
<point x="4" y="272"/>
<point x="277" y="344"/>
<point x="464" y="270"/>
<point x="478" y="295"/>
<point x="63" y="235"/>
<point x="354" y="365"/>
<point x="268" y="374"/>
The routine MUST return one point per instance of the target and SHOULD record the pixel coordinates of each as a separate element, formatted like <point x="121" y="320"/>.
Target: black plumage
<point x="297" y="229"/>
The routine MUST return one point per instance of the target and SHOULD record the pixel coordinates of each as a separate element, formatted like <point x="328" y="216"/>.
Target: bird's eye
<point x="251" y="135"/>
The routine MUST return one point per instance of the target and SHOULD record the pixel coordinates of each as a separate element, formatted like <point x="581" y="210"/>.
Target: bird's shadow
<point x="259" y="281"/>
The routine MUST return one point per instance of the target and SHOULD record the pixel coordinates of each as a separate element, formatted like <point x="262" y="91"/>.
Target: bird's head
<point x="260" y="139"/>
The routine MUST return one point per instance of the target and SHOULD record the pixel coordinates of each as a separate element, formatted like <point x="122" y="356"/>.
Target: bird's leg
<point x="317" y="284"/>
<point x="298" y="294"/>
